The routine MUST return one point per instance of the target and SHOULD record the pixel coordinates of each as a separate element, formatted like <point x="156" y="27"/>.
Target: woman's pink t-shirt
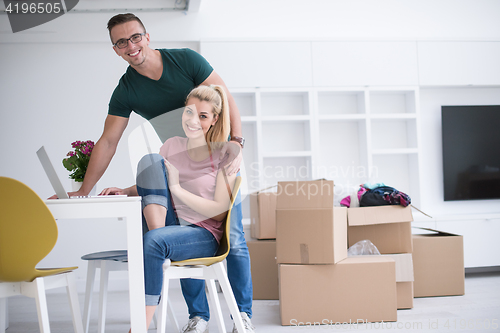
<point x="197" y="177"/>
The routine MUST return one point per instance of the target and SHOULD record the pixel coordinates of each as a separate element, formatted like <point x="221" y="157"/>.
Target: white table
<point x="128" y="210"/>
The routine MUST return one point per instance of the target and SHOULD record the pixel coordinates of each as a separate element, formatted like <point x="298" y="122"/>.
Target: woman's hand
<point x="231" y="157"/>
<point x="173" y="176"/>
<point x="113" y="191"/>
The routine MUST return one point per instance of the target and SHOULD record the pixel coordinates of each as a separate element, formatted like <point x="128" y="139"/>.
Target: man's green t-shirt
<point x="183" y="70"/>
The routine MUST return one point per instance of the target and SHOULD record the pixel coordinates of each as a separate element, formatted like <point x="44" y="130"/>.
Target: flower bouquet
<point x="78" y="160"/>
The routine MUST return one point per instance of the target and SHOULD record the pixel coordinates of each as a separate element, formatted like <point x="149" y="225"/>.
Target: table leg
<point x="136" y="269"/>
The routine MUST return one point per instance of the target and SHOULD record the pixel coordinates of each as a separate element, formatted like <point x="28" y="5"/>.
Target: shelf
<point x="284" y="103"/>
<point x="393" y="116"/>
<point x="280" y="137"/>
<point x="245" y="102"/>
<point x="352" y="135"/>
<point x="394" y="133"/>
<point x="288" y="154"/>
<point x="285" y="118"/>
<point x="286" y="168"/>
<point x="392" y="102"/>
<point x="342" y="117"/>
<point x="395" y="151"/>
<point x="248" y="119"/>
<point x="399" y="171"/>
<point x="341" y="102"/>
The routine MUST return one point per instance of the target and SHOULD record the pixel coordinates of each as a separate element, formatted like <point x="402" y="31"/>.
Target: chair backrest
<point x="28" y="231"/>
<point x="141" y="141"/>
<point x="225" y="244"/>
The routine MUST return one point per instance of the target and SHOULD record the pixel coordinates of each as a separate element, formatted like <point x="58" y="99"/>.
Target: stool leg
<point x="89" y="288"/>
<point x="103" y="297"/>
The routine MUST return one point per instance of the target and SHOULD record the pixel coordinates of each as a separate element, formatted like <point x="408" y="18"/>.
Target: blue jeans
<point x="173" y="241"/>
<point x="238" y="272"/>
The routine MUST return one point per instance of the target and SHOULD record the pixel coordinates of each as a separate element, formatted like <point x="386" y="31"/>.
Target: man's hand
<point x="78" y="193"/>
<point x="231" y="157"/>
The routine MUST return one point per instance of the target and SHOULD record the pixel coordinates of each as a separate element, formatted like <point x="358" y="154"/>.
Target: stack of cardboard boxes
<point x="318" y="283"/>
<point x="263" y="250"/>
<point x="307" y="267"/>
<point x="389" y="229"/>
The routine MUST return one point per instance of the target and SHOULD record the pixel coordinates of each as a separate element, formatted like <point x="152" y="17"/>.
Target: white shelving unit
<point x="351" y="135"/>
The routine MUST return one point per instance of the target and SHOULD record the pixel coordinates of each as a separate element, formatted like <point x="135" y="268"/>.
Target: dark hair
<point x="122" y="18"/>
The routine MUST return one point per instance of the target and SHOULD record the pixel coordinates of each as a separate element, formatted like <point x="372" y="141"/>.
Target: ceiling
<point x="101" y="6"/>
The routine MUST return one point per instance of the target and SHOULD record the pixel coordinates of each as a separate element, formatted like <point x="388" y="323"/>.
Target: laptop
<point x="56" y="182"/>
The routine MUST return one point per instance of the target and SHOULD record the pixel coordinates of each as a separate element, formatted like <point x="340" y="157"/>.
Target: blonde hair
<point x="218" y="134"/>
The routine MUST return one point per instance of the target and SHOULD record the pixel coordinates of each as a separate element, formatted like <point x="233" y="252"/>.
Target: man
<point x="156" y="82"/>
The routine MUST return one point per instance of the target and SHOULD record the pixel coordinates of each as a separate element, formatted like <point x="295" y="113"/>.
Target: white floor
<point x="478" y="310"/>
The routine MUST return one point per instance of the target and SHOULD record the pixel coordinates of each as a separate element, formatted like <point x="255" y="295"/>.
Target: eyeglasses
<point x="122" y="43"/>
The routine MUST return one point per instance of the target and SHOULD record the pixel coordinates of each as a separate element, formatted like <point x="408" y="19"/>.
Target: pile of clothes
<point x="376" y="195"/>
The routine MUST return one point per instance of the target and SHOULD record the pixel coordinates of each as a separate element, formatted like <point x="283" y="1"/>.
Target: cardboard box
<point x="404" y="266"/>
<point x="357" y="289"/>
<point x="263" y="215"/>
<point x="305" y="194"/>
<point x="404" y="279"/>
<point x="438" y="263"/>
<point x="388" y="227"/>
<point x="311" y="236"/>
<point x="264" y="269"/>
<point x="404" y="291"/>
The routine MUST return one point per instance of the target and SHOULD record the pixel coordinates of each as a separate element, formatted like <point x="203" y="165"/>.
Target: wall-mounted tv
<point x="471" y="152"/>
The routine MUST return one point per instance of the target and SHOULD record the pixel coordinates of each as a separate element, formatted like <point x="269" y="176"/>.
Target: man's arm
<point x="233" y="149"/>
<point x="103" y="152"/>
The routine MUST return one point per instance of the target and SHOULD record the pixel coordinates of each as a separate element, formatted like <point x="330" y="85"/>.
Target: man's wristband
<point x="238" y="139"/>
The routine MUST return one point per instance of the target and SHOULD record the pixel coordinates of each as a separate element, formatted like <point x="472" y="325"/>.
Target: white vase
<point x="75" y="186"/>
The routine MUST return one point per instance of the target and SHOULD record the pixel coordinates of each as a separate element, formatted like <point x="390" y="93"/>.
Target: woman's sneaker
<point x="247" y="323"/>
<point x="196" y="325"/>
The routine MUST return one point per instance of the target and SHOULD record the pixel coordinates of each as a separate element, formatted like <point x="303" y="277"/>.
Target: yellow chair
<point x="28" y="232"/>
<point x="208" y="269"/>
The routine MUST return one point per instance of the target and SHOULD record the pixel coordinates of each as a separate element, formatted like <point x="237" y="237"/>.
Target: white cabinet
<point x="459" y="63"/>
<point x="350" y="135"/>
<point x="352" y="63"/>
<point x="261" y="64"/>
<point x="481" y="245"/>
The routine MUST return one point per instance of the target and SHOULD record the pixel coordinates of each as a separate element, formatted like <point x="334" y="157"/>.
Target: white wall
<point x="56" y="79"/>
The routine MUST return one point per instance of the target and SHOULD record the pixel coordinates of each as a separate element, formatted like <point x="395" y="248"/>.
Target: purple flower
<point x="81" y="155"/>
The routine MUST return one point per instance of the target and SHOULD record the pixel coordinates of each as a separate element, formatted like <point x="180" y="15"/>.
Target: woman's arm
<point x="217" y="208"/>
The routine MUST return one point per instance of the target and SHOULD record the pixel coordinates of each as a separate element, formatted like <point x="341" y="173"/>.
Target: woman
<point x="186" y="172"/>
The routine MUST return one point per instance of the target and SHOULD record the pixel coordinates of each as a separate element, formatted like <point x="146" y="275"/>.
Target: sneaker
<point x="247" y="323"/>
<point x="196" y="325"/>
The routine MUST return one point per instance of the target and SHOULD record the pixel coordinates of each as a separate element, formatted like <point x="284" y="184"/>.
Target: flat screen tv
<point x="471" y="152"/>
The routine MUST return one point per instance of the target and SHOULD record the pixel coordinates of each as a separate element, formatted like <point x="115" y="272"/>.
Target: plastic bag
<point x="363" y="247"/>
